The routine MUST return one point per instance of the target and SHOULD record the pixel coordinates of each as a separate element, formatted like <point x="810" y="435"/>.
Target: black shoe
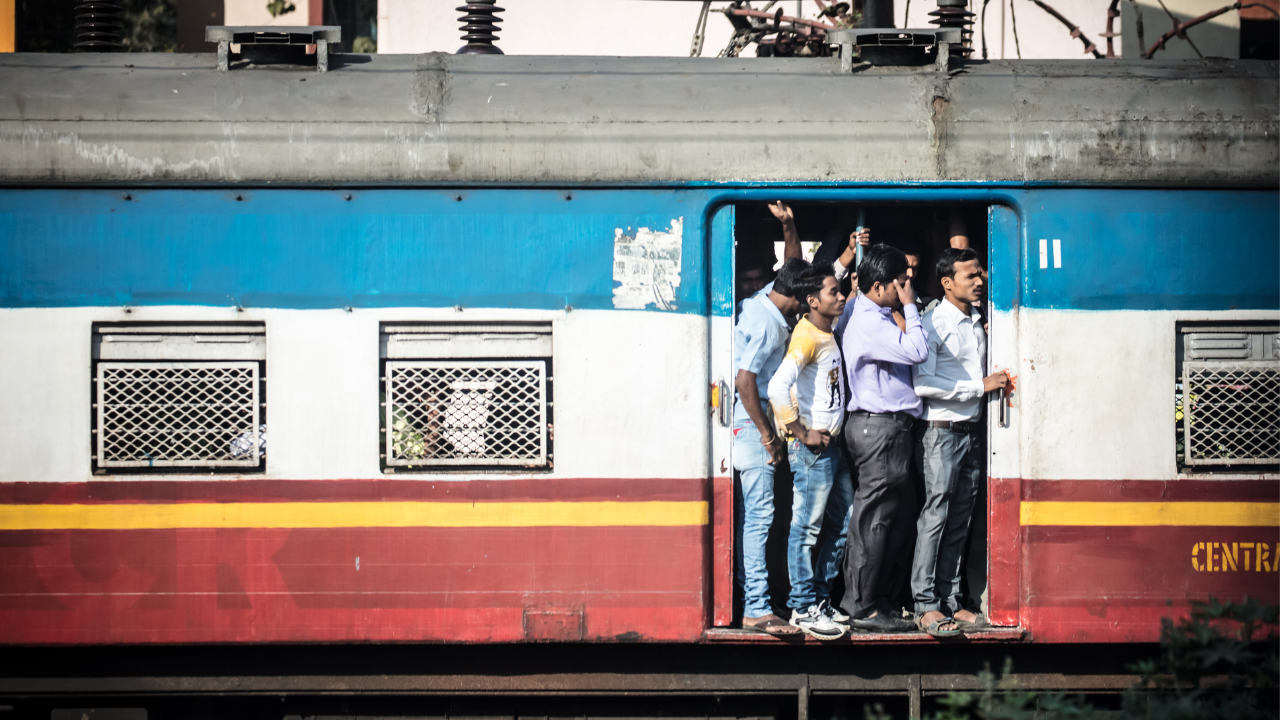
<point x="882" y="623"/>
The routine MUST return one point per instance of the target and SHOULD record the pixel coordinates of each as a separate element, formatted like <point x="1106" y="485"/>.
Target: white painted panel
<point x="1003" y="440"/>
<point x="1097" y="392"/>
<point x="631" y="395"/>
<point x="44" y="394"/>
<point x="630" y="391"/>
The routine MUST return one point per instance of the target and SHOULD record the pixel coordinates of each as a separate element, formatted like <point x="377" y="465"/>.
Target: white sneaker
<point x="817" y="625"/>
<point x="836" y="615"/>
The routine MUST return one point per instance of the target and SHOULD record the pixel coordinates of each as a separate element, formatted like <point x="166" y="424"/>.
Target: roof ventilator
<point x="893" y="46"/>
<point x="269" y="44"/>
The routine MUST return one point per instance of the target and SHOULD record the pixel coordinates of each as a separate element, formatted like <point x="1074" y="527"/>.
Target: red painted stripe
<point x="722" y="551"/>
<point x="169" y="491"/>
<point x="1116" y="624"/>
<point x="1260" y="490"/>
<point x="1004" y="552"/>
<point x="443" y="584"/>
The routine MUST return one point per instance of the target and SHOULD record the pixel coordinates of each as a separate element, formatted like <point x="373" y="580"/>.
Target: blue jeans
<point x="753" y="514"/>
<point x="823" y="491"/>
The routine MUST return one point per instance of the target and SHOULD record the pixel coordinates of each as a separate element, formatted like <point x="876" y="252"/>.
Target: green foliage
<point x="364" y="44"/>
<point x="150" y="25"/>
<point x="1220" y="663"/>
<point x="999" y="699"/>
<point x="1212" y="665"/>
<point x="875" y="712"/>
<point x="280" y="7"/>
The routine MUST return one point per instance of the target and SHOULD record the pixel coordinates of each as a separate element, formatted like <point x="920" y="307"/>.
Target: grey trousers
<point x="952" y="472"/>
<point x="881" y="450"/>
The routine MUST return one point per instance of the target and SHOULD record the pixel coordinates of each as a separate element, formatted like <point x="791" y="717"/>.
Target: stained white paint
<point x="1057" y="253"/>
<point x="630" y="391"/>
<point x="646" y="267"/>
<point x="1002" y="441"/>
<point x="1096" y="392"/>
<point x="1044" y="254"/>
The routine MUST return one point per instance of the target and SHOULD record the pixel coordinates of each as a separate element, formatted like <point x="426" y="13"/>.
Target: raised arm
<point x="884" y="342"/>
<point x="790" y="238"/>
<point x="845" y="263"/>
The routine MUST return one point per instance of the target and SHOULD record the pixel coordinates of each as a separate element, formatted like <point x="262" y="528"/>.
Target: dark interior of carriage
<point x="922" y="229"/>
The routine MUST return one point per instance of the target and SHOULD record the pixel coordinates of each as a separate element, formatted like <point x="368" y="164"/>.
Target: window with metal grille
<point x="175" y="397"/>
<point x="473" y="396"/>
<point x="1228" y="403"/>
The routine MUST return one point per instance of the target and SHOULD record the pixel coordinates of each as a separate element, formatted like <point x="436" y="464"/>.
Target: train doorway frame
<point x="999" y="595"/>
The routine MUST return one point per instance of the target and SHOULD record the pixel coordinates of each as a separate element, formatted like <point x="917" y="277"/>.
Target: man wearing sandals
<point x="759" y="344"/>
<point x="952" y="385"/>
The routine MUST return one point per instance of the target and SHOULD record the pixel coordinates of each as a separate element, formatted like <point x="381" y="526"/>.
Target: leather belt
<point x="967" y="427"/>
<point x="900" y="415"/>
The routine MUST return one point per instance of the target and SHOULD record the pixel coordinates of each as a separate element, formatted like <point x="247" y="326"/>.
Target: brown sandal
<point x="775" y="626"/>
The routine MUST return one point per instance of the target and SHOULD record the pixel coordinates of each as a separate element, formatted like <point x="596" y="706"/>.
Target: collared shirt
<point x="759" y="344"/>
<point x="737" y="309"/>
<point x="812" y="370"/>
<point x="879" y="356"/>
<point x="950" y="380"/>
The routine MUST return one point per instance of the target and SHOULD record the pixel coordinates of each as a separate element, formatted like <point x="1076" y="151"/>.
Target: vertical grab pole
<point x="862" y="224"/>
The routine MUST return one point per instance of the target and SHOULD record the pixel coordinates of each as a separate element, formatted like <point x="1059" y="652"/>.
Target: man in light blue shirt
<point x="759" y="344"/>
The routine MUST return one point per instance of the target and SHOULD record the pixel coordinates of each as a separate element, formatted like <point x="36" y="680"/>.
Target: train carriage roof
<point x="445" y="119"/>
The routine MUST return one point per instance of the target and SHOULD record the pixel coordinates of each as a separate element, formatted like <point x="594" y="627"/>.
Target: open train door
<point x="1001" y="590"/>
<point x="720" y="329"/>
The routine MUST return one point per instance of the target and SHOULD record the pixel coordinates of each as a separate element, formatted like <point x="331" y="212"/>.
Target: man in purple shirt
<point x="882" y="405"/>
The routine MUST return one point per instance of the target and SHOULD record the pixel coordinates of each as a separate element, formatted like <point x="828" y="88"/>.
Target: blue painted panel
<point x="722" y="265"/>
<point x="1121" y="249"/>
<point x="1004" y="242"/>
<point x="315" y="249"/>
<point x="1153" y="249"/>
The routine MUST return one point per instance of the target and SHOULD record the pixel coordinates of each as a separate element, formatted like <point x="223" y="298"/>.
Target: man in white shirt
<point x="951" y="381"/>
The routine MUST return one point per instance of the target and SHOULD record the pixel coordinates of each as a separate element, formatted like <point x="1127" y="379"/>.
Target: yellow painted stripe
<point x="351" y="514"/>
<point x="1220" y="514"/>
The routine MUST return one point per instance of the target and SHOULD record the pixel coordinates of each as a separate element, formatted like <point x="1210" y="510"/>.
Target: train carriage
<point x="436" y="348"/>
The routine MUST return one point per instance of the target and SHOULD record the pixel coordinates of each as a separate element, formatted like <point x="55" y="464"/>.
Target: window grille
<point x="182" y="414"/>
<point x="466" y="395"/>
<point x="1230" y="397"/>
<point x="178" y="396"/>
<point x="478" y="412"/>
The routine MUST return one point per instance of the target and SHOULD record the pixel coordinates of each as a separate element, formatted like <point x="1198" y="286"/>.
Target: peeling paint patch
<point x="646" y="267"/>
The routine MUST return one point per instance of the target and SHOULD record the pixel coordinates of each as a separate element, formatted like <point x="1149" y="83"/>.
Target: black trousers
<point x="881" y="450"/>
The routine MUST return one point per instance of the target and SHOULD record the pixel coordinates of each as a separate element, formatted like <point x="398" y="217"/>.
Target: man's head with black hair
<point x="784" y="285"/>
<point x="818" y="292"/>
<point x="960" y="273"/>
<point x="754" y="272"/>
<point x="915" y="264"/>
<point x="882" y="272"/>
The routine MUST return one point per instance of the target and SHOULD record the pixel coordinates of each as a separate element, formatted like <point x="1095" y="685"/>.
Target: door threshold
<point x="738" y="636"/>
